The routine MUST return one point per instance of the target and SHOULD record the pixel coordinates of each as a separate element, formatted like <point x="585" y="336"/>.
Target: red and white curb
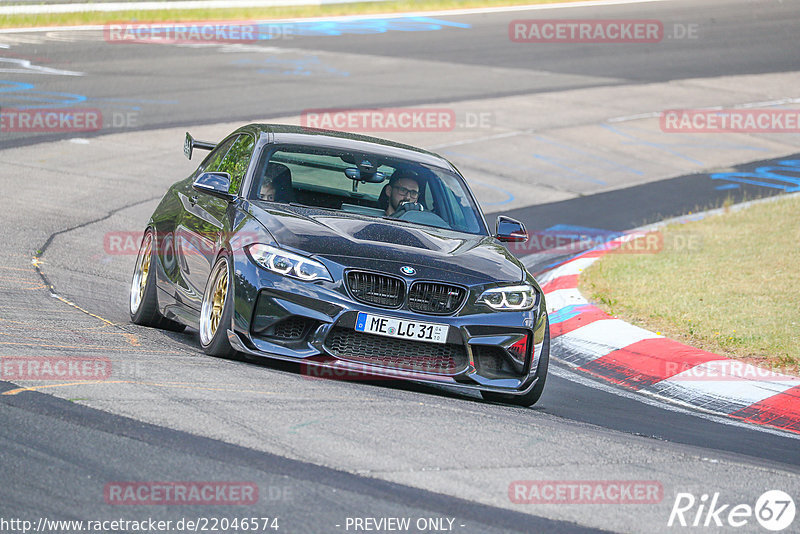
<point x="592" y="341"/>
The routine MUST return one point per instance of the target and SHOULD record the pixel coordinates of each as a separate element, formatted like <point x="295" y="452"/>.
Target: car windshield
<point x="368" y="185"/>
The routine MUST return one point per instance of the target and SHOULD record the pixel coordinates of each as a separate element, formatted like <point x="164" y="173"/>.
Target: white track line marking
<point x="26" y="67"/>
<point x="746" y="105"/>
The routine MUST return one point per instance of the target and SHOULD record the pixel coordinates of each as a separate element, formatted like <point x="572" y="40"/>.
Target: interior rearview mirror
<point x="356" y="174"/>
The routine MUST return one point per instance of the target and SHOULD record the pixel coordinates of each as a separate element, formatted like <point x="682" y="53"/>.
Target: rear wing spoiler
<point x="191" y="143"/>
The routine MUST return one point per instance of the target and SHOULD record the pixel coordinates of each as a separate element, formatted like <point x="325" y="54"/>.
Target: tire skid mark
<point x="37" y="262"/>
<point x="95" y="329"/>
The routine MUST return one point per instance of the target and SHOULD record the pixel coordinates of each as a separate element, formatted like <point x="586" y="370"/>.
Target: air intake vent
<point x="408" y="355"/>
<point x="292" y="328"/>
<point x="494" y="362"/>
<point x="435" y="298"/>
<point x="377" y="289"/>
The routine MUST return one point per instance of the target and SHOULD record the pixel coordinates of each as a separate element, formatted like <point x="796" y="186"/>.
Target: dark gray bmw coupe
<point x="348" y="254"/>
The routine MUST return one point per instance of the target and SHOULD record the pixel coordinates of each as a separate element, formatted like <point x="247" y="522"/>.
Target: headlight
<point x="519" y="298"/>
<point x="288" y="264"/>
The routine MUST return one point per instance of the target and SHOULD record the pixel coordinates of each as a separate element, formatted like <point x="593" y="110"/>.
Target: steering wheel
<point x="406" y="207"/>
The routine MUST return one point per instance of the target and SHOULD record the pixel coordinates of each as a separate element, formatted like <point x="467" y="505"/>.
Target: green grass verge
<point x="171" y="15"/>
<point x="729" y="284"/>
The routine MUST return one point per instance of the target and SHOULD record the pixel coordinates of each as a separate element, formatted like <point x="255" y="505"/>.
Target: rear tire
<point x="217" y="310"/>
<point x="143" y="295"/>
<point x="531" y="397"/>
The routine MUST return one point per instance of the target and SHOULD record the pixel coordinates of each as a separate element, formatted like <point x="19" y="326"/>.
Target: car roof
<point x="300" y="135"/>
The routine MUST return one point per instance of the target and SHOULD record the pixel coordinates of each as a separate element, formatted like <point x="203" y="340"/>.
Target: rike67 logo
<point x="774" y="510"/>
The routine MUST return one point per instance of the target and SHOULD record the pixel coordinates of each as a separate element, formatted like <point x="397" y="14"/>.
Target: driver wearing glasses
<point x="403" y="187"/>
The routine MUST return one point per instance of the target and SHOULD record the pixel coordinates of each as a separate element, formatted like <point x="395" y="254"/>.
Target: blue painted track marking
<point x="509" y="196"/>
<point x="568" y="312"/>
<point x="266" y="31"/>
<point x="577" y="175"/>
<point x="759" y="175"/>
<point x="589" y="154"/>
<point x="691" y="141"/>
<point x="7" y="86"/>
<point x="26" y="92"/>
<point x="362" y="26"/>
<point x="659" y="146"/>
<point x="600" y="235"/>
<point x="305" y="66"/>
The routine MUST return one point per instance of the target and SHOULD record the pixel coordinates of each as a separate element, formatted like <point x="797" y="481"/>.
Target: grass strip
<point x="255" y="13"/>
<point x="729" y="284"/>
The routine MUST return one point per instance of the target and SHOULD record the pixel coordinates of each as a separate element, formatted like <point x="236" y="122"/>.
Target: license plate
<point x="401" y="328"/>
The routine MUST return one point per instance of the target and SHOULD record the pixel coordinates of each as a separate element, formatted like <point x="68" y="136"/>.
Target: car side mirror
<point x="510" y="230"/>
<point x="214" y="183"/>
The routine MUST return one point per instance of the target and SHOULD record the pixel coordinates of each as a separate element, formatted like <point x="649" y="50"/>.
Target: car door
<point x="204" y="216"/>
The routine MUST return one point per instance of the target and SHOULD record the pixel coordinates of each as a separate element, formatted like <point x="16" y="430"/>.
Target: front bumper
<point x="313" y="323"/>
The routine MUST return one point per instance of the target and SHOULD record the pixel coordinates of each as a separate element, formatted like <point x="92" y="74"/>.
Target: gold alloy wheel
<point x="214" y="303"/>
<point x="218" y="301"/>
<point x="140" y="273"/>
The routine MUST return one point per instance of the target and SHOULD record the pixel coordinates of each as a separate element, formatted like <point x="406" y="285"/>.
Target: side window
<point x="457" y="209"/>
<point x="428" y="198"/>
<point x="237" y="160"/>
<point x="213" y="160"/>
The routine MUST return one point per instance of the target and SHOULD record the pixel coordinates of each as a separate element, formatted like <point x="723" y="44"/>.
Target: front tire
<point x="143" y="304"/>
<point x="217" y="310"/>
<point x="531" y="397"/>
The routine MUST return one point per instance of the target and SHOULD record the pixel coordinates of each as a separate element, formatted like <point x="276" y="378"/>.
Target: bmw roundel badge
<point x="405" y="269"/>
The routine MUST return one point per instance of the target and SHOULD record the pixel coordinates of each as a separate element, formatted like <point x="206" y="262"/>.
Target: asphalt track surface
<point x="167" y="88"/>
<point x="322" y="451"/>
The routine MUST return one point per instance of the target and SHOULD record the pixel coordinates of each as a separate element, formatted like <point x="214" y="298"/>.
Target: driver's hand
<point x="408" y="205"/>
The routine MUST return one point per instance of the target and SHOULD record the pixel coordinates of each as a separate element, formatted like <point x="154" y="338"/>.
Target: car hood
<point x="381" y="245"/>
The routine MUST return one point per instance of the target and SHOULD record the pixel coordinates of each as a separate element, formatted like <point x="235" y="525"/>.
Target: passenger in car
<point x="267" y="191"/>
<point x="276" y="185"/>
